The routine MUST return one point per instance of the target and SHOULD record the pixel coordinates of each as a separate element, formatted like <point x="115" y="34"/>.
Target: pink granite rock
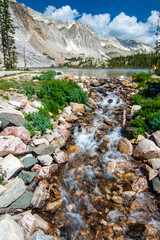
<point x="11" y="144"/>
<point x="20" y="132"/>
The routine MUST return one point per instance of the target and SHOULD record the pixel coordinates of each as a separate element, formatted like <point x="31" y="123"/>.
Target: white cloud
<point x="98" y="22"/>
<point x="65" y="13"/>
<point x="122" y="26"/>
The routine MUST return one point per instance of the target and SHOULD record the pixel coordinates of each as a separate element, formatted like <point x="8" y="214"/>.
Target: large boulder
<point x="146" y="149"/>
<point x="11" y="119"/>
<point x="125" y="146"/>
<point x="9" y="229"/>
<point x="11" y="144"/>
<point x="20" y="132"/>
<point x="15" y="189"/>
<point x="10" y="165"/>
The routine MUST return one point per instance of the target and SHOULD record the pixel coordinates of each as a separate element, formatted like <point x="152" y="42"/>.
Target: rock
<point x="115" y="214"/>
<point x="156" y="137"/>
<point x="139" y="138"/>
<point x="91" y="103"/>
<point x="72" y="149"/>
<point x="39" y="141"/>
<point x="149" y="172"/>
<point x="103" y="147"/>
<point x="65" y="133"/>
<point x="134" y="109"/>
<point x="30" y="109"/>
<point x="28" y="224"/>
<point x="129" y="193"/>
<point x="125" y="146"/>
<point x="117" y="230"/>
<point x="16" y="104"/>
<point x="20" y="132"/>
<point x="27" y="177"/>
<point x="47" y="172"/>
<point x="58" y="143"/>
<point x="95" y="82"/>
<point x="146" y="149"/>
<point x="24" y="201"/>
<point x="139" y="185"/>
<point x="67" y="110"/>
<point x="29" y="162"/>
<point x="61" y="157"/>
<point x="40" y="196"/>
<point x="10" y="165"/>
<point x="11" y="119"/>
<point x="11" y="144"/>
<point x="44" y="149"/>
<point x="2" y="189"/>
<point x="117" y="199"/>
<point x="156" y="184"/>
<point x="37" y="104"/>
<point x="53" y="206"/>
<point x="9" y="229"/>
<point x="135" y="230"/>
<point x="15" y="189"/>
<point x="45" y="160"/>
<point x="155" y="163"/>
<point x="40" y="236"/>
<point x="111" y="166"/>
<point x="108" y="121"/>
<point x="77" y="108"/>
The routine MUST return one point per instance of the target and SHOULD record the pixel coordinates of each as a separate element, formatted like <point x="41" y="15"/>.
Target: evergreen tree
<point x="7" y="31"/>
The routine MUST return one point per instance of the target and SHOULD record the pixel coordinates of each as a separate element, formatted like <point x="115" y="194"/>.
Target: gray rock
<point x="45" y="160"/>
<point x="27" y="176"/>
<point x="155" y="163"/>
<point x="15" y="189"/>
<point x="29" y="162"/>
<point x="10" y="165"/>
<point x="115" y="214"/>
<point x="44" y="149"/>
<point x="11" y="119"/>
<point x="156" y="184"/>
<point x="2" y="189"/>
<point x="40" y="236"/>
<point x="146" y="149"/>
<point x="40" y="196"/>
<point x="156" y="137"/>
<point x="24" y="201"/>
<point x="9" y="229"/>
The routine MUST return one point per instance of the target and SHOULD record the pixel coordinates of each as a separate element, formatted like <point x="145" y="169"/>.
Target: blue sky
<point x="125" y="19"/>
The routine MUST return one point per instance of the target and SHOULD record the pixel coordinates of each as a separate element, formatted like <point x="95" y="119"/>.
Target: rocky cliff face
<point x="115" y="47"/>
<point x="42" y="41"/>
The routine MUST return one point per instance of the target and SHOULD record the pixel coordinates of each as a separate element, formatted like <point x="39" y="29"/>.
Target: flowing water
<point x="96" y="183"/>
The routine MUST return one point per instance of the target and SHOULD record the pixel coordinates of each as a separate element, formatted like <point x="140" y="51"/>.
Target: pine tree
<point x="7" y="31"/>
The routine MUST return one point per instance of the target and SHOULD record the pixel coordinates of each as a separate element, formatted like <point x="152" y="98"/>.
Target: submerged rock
<point x="125" y="146"/>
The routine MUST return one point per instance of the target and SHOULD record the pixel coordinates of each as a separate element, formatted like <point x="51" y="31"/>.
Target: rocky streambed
<point x="83" y="179"/>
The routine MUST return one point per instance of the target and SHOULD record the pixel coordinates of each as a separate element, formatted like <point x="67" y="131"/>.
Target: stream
<point x="99" y="186"/>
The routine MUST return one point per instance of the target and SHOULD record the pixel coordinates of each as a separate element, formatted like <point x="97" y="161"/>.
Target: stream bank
<point x="91" y="186"/>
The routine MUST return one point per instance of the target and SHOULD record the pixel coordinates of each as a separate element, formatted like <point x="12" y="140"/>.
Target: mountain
<point x="115" y="47"/>
<point x="44" y="42"/>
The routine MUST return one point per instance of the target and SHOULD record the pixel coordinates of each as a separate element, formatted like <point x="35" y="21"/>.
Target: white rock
<point x="28" y="224"/>
<point x="2" y="189"/>
<point x="5" y="105"/>
<point x="45" y="160"/>
<point x="39" y="141"/>
<point x="16" y="104"/>
<point x="67" y="110"/>
<point x="36" y="104"/>
<point x="9" y="229"/>
<point x="30" y="109"/>
<point x="135" y="108"/>
<point x="15" y="189"/>
<point x="12" y="111"/>
<point x="40" y="196"/>
<point x="155" y="163"/>
<point x="11" y="165"/>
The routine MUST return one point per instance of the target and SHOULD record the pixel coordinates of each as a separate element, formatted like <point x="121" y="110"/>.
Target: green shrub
<point x="154" y="121"/>
<point x="49" y="75"/>
<point x="141" y="77"/>
<point x="29" y="126"/>
<point x="29" y="91"/>
<point x="57" y="94"/>
<point x="137" y="99"/>
<point x="2" y="176"/>
<point x="38" y="121"/>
